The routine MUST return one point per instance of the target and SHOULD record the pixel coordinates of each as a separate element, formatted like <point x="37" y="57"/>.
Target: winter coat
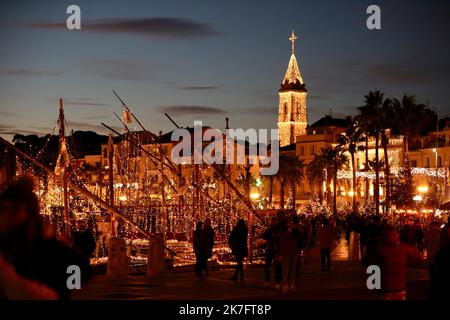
<point x="238" y="242"/>
<point x="200" y="243"/>
<point x="289" y="243"/>
<point x="270" y="241"/>
<point x="208" y="234"/>
<point x="433" y="240"/>
<point x="326" y="238"/>
<point x="392" y="258"/>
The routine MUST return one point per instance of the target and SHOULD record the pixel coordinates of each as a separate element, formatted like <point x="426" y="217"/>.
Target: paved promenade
<point x="346" y="281"/>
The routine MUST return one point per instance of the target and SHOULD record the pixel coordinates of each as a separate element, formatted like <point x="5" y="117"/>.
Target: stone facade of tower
<point x="292" y="116"/>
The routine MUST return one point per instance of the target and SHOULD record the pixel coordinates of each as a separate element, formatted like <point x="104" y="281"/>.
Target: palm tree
<point x="410" y="118"/>
<point x="351" y="139"/>
<point x="290" y="172"/>
<point x="269" y="179"/>
<point x="330" y="159"/>
<point x="387" y="122"/>
<point x="338" y="160"/>
<point x="295" y="169"/>
<point x="315" y="171"/>
<point x="371" y="114"/>
<point x="245" y="180"/>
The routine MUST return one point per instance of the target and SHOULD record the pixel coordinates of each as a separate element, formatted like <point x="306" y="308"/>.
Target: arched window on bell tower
<point x="286" y="112"/>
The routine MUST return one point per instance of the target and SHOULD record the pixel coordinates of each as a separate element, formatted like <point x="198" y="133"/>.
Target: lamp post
<point x="436" y="176"/>
<point x="383" y="185"/>
<point x="325" y="196"/>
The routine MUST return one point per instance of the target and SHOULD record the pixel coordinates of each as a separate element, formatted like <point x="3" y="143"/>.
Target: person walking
<point x="308" y="235"/>
<point x="288" y="255"/>
<point x="200" y="249"/>
<point x="277" y="263"/>
<point x="239" y="248"/>
<point x="208" y="234"/>
<point x="326" y="243"/>
<point x="269" y="237"/>
<point x="432" y="240"/>
<point x="392" y="258"/>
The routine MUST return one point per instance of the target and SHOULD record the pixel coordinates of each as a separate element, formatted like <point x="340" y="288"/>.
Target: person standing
<point x="392" y="258"/>
<point x="208" y="234"/>
<point x="326" y="243"/>
<point x="288" y="252"/>
<point x="32" y="265"/>
<point x="239" y="248"/>
<point x="84" y="241"/>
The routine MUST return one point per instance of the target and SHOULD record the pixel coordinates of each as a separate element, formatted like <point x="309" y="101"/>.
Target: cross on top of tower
<point x="292" y="38"/>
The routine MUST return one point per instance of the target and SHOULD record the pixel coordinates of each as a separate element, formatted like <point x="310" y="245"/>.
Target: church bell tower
<point x="292" y="117"/>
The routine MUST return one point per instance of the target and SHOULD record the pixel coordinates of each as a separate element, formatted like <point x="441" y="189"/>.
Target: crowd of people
<point x="288" y="239"/>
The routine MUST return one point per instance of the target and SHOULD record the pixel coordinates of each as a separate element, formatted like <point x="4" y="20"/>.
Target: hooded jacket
<point x="393" y="258"/>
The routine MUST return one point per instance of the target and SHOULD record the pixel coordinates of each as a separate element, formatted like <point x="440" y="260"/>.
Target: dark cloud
<point x="29" y="72"/>
<point x="11" y="130"/>
<point x="411" y="72"/>
<point x="257" y="110"/>
<point x="8" y="114"/>
<point x="83" y="102"/>
<point x="161" y="27"/>
<point x="190" y="110"/>
<point x="100" y="117"/>
<point x="78" y="125"/>
<point x="197" y="88"/>
<point x="113" y="69"/>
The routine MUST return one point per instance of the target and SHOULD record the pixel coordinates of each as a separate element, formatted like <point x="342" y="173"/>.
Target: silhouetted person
<point x="31" y="265"/>
<point x="208" y="233"/>
<point x="238" y="245"/>
<point x="84" y="241"/>
<point x="277" y="233"/>
<point x="288" y="255"/>
<point x="432" y="238"/>
<point x="326" y="242"/>
<point x="308" y="235"/>
<point x="200" y="249"/>
<point x="420" y="234"/>
<point x="269" y="237"/>
<point x="440" y="278"/>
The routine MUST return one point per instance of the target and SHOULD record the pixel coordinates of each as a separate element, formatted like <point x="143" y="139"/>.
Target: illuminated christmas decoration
<point x="428" y="172"/>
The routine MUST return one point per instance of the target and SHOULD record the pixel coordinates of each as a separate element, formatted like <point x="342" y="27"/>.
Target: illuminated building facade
<point x="292" y="117"/>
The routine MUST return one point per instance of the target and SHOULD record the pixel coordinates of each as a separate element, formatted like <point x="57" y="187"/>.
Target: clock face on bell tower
<point x="292" y="116"/>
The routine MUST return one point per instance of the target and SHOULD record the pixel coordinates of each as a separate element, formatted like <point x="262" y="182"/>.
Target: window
<point x="413" y="163"/>
<point x="285" y="112"/>
<point x="302" y="151"/>
<point x="439" y="163"/>
<point x="427" y="162"/>
<point x="313" y="151"/>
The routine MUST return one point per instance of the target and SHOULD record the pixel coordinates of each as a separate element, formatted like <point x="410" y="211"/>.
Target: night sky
<point x="205" y="60"/>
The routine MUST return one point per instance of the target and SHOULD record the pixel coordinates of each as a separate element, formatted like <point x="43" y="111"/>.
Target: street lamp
<point x="254" y="195"/>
